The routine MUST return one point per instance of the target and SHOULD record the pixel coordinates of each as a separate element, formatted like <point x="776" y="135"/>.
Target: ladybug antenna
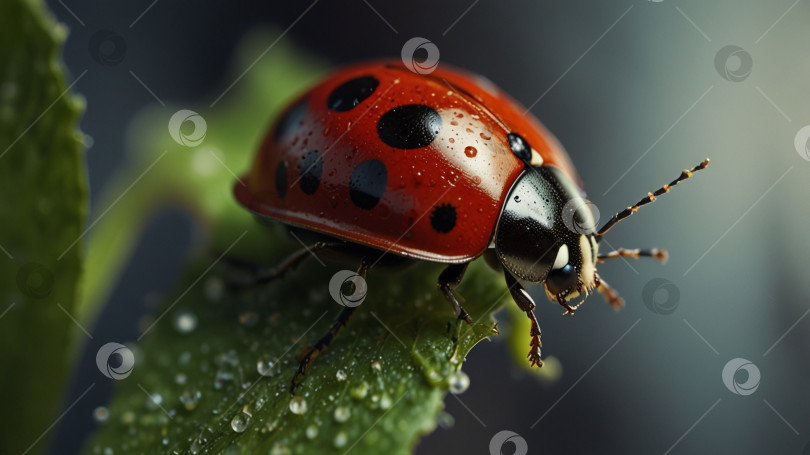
<point x="687" y="173"/>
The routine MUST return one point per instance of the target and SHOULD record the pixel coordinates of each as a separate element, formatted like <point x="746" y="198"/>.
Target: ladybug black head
<point x="546" y="233"/>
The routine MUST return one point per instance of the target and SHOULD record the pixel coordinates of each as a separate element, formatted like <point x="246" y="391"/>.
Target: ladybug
<point x="387" y="166"/>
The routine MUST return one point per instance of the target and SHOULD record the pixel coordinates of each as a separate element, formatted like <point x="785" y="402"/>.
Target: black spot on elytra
<point x="367" y="184"/>
<point x="291" y="120"/>
<point x="281" y="179"/>
<point x="410" y="126"/>
<point x="443" y="218"/>
<point x="310" y="168"/>
<point x="520" y="147"/>
<point x="351" y="93"/>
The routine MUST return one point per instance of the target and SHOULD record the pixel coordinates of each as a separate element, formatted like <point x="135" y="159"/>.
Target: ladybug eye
<point x="561" y="280"/>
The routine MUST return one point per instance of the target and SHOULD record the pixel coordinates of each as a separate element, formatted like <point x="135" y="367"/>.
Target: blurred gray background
<point x="635" y="90"/>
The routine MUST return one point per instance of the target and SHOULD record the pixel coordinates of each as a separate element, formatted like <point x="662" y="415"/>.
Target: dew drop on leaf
<point x="311" y="432"/>
<point x="459" y="382"/>
<point x="340" y="439"/>
<point x="240" y="422"/>
<point x="222" y="376"/>
<point x="190" y="399"/>
<point x="342" y="414"/>
<point x="153" y="401"/>
<point x="341" y="375"/>
<point x="298" y="405"/>
<point x="360" y="392"/>
<point x="185" y="322"/>
<point x="264" y="365"/>
<point x="269" y="426"/>
<point x="385" y="401"/>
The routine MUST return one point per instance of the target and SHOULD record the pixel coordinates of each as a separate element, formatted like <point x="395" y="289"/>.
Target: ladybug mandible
<point x="387" y="165"/>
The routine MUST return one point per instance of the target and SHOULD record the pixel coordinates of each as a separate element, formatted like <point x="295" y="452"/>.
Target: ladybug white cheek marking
<point x="587" y="271"/>
<point x="537" y="160"/>
<point x="562" y="258"/>
<point x="594" y="246"/>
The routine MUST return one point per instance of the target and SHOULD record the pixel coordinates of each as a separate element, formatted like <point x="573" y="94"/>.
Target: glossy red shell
<point x="468" y="165"/>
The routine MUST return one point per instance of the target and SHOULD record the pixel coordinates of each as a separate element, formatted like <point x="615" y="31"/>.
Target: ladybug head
<point x="547" y="234"/>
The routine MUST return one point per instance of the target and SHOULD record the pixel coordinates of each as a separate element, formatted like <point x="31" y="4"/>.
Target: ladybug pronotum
<point x="385" y="165"/>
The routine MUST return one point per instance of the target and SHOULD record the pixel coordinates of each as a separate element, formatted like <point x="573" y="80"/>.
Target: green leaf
<point x="375" y="390"/>
<point x="42" y="208"/>
<point x="163" y="173"/>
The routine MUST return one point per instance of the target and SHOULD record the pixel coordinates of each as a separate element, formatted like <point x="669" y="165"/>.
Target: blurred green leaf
<point x="44" y="200"/>
<point x="164" y="174"/>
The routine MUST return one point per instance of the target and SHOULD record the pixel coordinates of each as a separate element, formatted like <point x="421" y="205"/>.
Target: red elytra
<point x="468" y="165"/>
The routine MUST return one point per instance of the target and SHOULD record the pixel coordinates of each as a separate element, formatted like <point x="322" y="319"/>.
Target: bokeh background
<point x="635" y="90"/>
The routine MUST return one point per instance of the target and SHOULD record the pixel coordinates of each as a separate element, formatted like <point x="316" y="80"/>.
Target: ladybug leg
<point x="525" y="302"/>
<point x="239" y="263"/>
<point x="308" y="354"/>
<point x="448" y="280"/>
<point x="656" y="253"/>
<point x="569" y="310"/>
<point x="611" y="296"/>
<point x="261" y="275"/>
